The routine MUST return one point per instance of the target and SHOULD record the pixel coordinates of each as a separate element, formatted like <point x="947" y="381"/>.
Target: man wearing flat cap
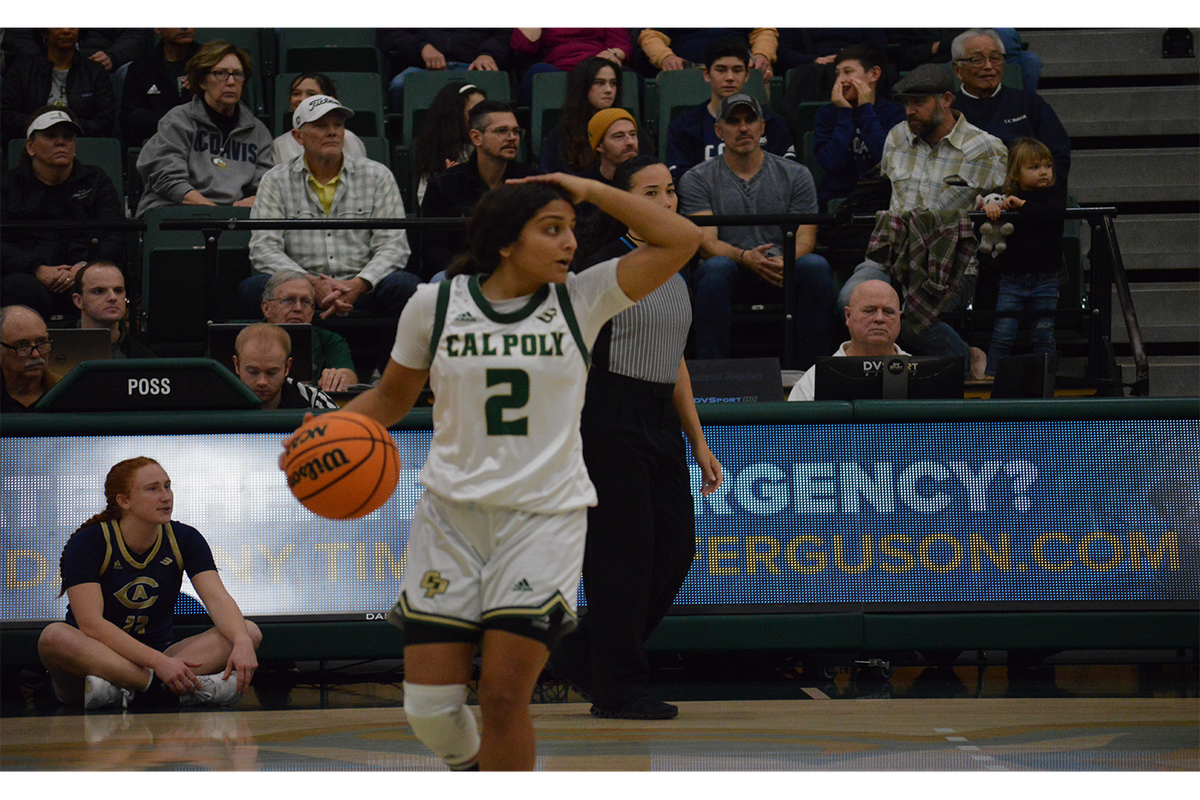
<point x="936" y="161"/>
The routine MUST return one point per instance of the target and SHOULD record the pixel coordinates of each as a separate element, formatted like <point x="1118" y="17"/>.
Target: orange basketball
<point x="342" y="465"/>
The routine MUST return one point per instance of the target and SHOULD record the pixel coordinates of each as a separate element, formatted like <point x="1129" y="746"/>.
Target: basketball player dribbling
<point x="496" y="542"/>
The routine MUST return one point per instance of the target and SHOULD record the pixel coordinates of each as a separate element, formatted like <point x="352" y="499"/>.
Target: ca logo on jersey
<point x="135" y="595"/>
<point x="433" y="583"/>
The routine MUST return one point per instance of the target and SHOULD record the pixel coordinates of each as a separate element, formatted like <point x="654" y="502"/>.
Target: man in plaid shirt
<point x="349" y="269"/>
<point x="936" y="161"/>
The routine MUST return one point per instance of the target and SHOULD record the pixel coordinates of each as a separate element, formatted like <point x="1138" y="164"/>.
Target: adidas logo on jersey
<point x="466" y="316"/>
<point x="522" y="586"/>
<point x="117" y="565"/>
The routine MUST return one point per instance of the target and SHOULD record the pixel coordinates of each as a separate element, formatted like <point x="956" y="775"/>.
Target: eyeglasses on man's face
<point x="292" y="302"/>
<point x="977" y="61"/>
<point x="26" y="349"/>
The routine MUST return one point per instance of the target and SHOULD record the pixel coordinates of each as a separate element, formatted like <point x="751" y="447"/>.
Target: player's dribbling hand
<point x="288" y="442"/>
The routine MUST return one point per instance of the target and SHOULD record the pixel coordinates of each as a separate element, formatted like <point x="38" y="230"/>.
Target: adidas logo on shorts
<point x="522" y="586"/>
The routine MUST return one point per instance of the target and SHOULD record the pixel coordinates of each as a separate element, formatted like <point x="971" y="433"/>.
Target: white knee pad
<point x="441" y="720"/>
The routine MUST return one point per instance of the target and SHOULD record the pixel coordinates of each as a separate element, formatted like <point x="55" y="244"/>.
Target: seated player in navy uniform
<point x="122" y="571"/>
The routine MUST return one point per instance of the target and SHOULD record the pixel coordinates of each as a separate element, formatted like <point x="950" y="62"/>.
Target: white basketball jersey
<point x="508" y="391"/>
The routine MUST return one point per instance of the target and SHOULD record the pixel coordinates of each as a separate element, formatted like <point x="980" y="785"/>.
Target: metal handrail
<point x="1112" y="250"/>
<point x="1108" y="269"/>
<point x="213" y="228"/>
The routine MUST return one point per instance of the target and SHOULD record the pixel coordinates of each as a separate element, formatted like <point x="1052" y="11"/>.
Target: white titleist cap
<point x="317" y="106"/>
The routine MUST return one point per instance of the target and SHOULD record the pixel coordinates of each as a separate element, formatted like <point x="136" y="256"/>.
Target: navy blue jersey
<point x="139" y="589"/>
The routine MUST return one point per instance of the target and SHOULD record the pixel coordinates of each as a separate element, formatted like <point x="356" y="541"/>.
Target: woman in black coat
<point x="73" y="81"/>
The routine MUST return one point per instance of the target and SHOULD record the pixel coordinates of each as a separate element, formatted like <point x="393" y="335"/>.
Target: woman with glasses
<point x="213" y="150"/>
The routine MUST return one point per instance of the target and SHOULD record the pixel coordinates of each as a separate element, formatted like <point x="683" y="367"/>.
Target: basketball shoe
<point x="99" y="693"/>
<point x="214" y="691"/>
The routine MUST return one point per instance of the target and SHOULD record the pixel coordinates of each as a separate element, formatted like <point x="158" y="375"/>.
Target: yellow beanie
<point x="603" y="119"/>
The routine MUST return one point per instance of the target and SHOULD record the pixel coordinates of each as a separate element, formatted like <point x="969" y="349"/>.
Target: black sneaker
<point x="642" y="708"/>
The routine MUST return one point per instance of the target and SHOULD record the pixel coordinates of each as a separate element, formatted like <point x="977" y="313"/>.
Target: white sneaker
<point x="99" y="693"/>
<point x="214" y="691"/>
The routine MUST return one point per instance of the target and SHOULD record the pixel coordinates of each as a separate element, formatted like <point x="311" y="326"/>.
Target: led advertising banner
<point x="966" y="512"/>
<point x="1098" y="512"/>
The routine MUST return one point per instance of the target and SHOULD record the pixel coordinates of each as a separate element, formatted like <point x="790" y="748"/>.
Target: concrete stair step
<point x="1116" y="52"/>
<point x="1100" y="177"/>
<point x="1127" y="111"/>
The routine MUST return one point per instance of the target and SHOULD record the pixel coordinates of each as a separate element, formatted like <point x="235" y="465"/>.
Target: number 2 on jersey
<point x="496" y="405"/>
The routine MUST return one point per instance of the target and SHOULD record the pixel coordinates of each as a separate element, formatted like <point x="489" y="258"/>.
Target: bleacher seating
<point x="1133" y="116"/>
<point x="549" y="92"/>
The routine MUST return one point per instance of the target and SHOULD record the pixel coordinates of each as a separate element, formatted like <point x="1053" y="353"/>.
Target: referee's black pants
<point x="641" y="536"/>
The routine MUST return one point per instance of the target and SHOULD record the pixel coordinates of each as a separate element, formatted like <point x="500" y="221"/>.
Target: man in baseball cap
<point x="690" y="137"/>
<point x="745" y="263"/>
<point x="349" y="269"/>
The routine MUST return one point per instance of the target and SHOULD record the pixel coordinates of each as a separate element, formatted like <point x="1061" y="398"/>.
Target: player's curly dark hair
<point x="118" y="481"/>
<point x="497" y="221"/>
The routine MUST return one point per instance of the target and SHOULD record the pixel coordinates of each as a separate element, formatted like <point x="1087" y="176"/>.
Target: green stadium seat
<point x="421" y="87"/>
<point x="173" y="284"/>
<point x="680" y="89"/>
<point x="329" y="50"/>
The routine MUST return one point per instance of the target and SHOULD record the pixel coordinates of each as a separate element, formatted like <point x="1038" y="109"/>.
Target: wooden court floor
<point x="815" y="733"/>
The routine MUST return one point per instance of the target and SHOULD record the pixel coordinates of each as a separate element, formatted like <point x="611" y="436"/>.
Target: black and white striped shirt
<point x="645" y="341"/>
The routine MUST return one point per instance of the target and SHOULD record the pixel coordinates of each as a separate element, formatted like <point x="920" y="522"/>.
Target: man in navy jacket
<point x="1003" y="112"/>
